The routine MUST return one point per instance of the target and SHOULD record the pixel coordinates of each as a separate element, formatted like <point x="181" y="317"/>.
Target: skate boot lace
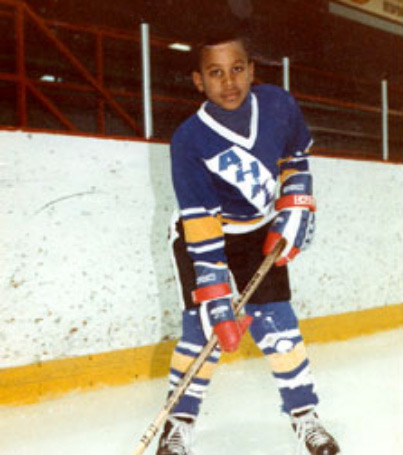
<point x="309" y="431"/>
<point x="179" y="439"/>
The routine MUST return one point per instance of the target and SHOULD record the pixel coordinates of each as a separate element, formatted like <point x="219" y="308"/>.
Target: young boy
<point x="242" y="181"/>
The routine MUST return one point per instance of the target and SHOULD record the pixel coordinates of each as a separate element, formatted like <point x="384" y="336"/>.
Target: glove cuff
<point x="296" y="201"/>
<point x="214" y="291"/>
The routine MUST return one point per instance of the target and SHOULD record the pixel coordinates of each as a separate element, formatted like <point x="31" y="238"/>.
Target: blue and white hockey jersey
<point x="226" y="182"/>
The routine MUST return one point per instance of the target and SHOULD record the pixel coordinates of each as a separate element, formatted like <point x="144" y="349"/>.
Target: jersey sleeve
<point x="295" y="156"/>
<point x="198" y="203"/>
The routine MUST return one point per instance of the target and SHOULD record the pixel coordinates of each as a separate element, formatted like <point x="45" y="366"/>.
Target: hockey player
<point x="242" y="181"/>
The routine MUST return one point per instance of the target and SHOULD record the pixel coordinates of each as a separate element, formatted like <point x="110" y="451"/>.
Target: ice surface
<point x="360" y="383"/>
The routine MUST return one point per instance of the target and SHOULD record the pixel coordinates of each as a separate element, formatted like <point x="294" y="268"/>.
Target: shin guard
<point x="276" y="332"/>
<point x="188" y="348"/>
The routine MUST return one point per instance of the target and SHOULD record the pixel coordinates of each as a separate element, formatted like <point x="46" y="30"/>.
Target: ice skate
<point x="312" y="435"/>
<point x="177" y="437"/>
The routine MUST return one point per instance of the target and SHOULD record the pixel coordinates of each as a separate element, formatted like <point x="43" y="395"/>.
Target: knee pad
<point x="192" y="330"/>
<point x="274" y="327"/>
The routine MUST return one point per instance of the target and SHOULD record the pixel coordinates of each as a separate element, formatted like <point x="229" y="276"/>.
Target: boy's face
<point x="225" y="74"/>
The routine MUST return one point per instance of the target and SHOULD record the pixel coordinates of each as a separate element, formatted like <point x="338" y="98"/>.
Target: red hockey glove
<point x="216" y="313"/>
<point x="295" y="222"/>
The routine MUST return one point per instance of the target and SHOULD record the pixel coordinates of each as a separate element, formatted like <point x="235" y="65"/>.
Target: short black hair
<point x="220" y="37"/>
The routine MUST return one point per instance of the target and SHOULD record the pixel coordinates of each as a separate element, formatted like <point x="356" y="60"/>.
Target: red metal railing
<point x="111" y="98"/>
<point x="92" y="84"/>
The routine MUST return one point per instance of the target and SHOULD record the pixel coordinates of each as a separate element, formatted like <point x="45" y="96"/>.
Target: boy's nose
<point x="228" y="80"/>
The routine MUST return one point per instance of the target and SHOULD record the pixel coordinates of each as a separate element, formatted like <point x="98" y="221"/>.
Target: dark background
<point x="303" y="30"/>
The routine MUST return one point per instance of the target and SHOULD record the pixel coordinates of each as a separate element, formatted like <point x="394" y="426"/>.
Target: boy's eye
<point x="238" y="69"/>
<point x="215" y="73"/>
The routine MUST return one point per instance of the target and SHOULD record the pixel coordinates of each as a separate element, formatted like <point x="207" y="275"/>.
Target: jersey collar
<point x="246" y="142"/>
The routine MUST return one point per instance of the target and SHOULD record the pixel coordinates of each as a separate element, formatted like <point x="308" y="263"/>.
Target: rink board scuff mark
<point x="34" y="383"/>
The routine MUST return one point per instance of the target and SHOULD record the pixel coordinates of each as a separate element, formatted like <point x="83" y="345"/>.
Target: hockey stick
<point x="250" y="288"/>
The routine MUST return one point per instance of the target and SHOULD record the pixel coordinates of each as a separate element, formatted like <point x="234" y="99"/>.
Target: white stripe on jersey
<point x="200" y="210"/>
<point x="244" y="228"/>
<point x="212" y="265"/>
<point x="247" y="142"/>
<point x="204" y="249"/>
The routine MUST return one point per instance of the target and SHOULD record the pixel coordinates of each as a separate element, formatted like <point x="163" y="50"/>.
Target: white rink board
<point x="85" y="266"/>
<point x="83" y="246"/>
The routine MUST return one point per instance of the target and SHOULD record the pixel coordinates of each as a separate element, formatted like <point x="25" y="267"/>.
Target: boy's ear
<point x="198" y="81"/>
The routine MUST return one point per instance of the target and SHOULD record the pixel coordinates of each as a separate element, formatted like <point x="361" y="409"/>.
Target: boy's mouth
<point x="230" y="96"/>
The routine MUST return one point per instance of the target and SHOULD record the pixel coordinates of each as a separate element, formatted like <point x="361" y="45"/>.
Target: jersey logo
<point x="245" y="172"/>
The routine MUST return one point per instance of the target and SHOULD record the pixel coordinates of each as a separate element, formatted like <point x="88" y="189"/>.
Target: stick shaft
<point x="250" y="288"/>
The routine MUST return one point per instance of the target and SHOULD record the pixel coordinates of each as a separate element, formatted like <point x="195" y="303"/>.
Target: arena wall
<point x="87" y="290"/>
